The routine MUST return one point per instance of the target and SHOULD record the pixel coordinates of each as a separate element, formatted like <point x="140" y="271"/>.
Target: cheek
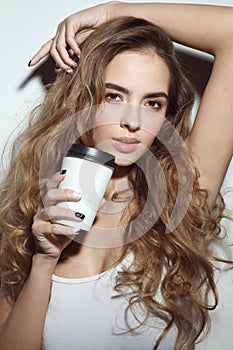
<point x="101" y="133"/>
<point x="147" y="139"/>
<point x="150" y="130"/>
<point x="103" y="116"/>
<point x="151" y="123"/>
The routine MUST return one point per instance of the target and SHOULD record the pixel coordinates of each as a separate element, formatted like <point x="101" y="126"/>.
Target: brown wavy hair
<point x="172" y="258"/>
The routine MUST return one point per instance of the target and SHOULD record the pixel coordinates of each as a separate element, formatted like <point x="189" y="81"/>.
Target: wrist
<point x="44" y="262"/>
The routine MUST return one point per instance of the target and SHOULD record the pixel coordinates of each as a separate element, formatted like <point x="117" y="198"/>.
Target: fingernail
<point x="29" y="63"/>
<point x="69" y="71"/>
<point x="75" y="230"/>
<point x="76" y="194"/>
<point x="63" y="172"/>
<point x="80" y="216"/>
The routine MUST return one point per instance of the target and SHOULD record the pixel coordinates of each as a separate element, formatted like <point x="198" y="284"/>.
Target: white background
<point x="25" y="26"/>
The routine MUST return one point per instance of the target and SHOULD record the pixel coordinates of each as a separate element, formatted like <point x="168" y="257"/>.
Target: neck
<point x="119" y="183"/>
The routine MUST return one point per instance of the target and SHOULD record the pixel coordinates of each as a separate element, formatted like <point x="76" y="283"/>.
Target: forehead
<point x="131" y="69"/>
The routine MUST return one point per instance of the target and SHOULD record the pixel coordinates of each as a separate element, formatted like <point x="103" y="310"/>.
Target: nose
<point x="131" y="118"/>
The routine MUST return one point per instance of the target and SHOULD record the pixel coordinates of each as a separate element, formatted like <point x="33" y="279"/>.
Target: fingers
<point x="58" y="48"/>
<point x="44" y="51"/>
<point x="44" y="221"/>
<point x="54" y="195"/>
<point x="49" y="237"/>
<point x="55" y="180"/>
<point x="64" y="45"/>
<point x="80" y="37"/>
<point x="59" y="52"/>
<point x="69" y="33"/>
<point x="51" y="212"/>
<point x="71" y="28"/>
<point x="55" y="213"/>
<point x="64" y="49"/>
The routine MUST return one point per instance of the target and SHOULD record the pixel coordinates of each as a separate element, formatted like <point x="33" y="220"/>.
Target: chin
<point x="124" y="162"/>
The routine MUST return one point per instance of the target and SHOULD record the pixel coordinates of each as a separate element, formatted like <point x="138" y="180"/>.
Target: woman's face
<point x="134" y="108"/>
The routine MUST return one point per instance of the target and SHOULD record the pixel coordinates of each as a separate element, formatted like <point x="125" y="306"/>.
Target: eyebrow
<point x="127" y="92"/>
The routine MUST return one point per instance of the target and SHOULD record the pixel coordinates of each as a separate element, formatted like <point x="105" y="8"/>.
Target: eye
<point x="112" y="97"/>
<point x="154" y="104"/>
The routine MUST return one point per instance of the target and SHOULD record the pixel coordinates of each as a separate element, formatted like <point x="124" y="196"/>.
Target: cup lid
<point x="92" y="154"/>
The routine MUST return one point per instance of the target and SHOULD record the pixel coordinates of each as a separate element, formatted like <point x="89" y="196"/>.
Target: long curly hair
<point x="172" y="257"/>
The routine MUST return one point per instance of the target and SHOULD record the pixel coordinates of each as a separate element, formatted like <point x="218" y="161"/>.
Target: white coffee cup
<point x="88" y="171"/>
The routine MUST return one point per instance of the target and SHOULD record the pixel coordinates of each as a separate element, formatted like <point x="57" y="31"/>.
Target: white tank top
<point x="88" y="314"/>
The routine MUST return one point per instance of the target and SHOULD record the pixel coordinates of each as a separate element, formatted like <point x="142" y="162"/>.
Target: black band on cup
<point x="92" y="154"/>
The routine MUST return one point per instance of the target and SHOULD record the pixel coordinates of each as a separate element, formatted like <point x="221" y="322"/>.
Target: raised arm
<point x="188" y="24"/>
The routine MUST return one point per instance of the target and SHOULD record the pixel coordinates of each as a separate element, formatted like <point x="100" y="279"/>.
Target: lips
<point x="125" y="144"/>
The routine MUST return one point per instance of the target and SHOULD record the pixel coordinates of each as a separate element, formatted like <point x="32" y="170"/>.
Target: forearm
<point x="203" y="27"/>
<point x="23" y="329"/>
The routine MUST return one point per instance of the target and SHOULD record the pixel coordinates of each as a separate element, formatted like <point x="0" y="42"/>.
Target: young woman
<point x="127" y="95"/>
